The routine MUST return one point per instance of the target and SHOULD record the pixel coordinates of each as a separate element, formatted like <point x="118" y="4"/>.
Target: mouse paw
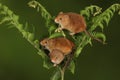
<point x="58" y="29"/>
<point x="72" y="33"/>
<point x="55" y="65"/>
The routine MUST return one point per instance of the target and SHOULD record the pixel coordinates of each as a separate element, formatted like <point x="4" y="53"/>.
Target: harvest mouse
<point x="73" y="22"/>
<point x="58" y="47"/>
<point x="56" y="56"/>
<point x="59" y="43"/>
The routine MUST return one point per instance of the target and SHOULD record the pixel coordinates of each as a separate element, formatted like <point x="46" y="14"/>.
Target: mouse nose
<point x="53" y="61"/>
<point x="56" y="20"/>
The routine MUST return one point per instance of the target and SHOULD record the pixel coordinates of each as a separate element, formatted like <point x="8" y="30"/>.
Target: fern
<point x="98" y="20"/>
<point x="99" y="35"/>
<point x="104" y="17"/>
<point x="94" y="18"/>
<point x="13" y="20"/>
<point x="89" y="11"/>
<point x="45" y="14"/>
<point x="48" y="18"/>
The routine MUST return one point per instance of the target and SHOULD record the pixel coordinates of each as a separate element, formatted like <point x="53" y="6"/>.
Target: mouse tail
<point x="88" y="33"/>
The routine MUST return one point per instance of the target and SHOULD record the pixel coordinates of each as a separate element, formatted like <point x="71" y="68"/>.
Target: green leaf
<point x="5" y="19"/>
<point x="113" y="9"/>
<point x="100" y="35"/>
<point x="72" y="67"/>
<point x="42" y="54"/>
<point x="32" y="4"/>
<point x="83" y="41"/>
<point x="101" y="26"/>
<point x="90" y="41"/>
<point x="110" y="13"/>
<point x="19" y="26"/>
<point x="10" y="12"/>
<point x="78" y="51"/>
<point x="93" y="27"/>
<point x="2" y="13"/>
<point x="5" y="8"/>
<point x="46" y="60"/>
<point x="30" y="36"/>
<point x="51" y="29"/>
<point x="16" y="18"/>
<point x="36" y="43"/>
<point x="46" y="63"/>
<point x="25" y="34"/>
<point x="56" y="75"/>
<point x="56" y="34"/>
<point x="106" y="20"/>
<point x="26" y="26"/>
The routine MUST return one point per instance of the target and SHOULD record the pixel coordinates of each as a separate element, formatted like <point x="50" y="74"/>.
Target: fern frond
<point x="56" y="74"/>
<point x="91" y="10"/>
<point x="99" y="35"/>
<point x="81" y="42"/>
<point x="7" y="16"/>
<point x="45" y="14"/>
<point x="99" y="19"/>
<point x="72" y="67"/>
<point x="104" y="17"/>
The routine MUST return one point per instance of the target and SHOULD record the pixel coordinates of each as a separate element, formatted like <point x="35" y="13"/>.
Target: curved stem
<point x="66" y="65"/>
<point x="62" y="74"/>
<point x="36" y="4"/>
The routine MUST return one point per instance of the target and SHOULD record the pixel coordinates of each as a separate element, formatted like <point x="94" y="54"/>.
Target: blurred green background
<point x="20" y="61"/>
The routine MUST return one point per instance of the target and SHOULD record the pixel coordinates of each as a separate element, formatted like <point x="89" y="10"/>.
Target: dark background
<point x="20" y="61"/>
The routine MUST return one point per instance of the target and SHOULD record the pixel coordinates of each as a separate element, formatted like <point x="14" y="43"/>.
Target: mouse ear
<point x="66" y="16"/>
<point x="60" y="12"/>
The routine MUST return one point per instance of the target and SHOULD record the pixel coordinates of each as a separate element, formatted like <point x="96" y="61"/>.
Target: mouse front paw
<point x="58" y="29"/>
<point x="71" y="33"/>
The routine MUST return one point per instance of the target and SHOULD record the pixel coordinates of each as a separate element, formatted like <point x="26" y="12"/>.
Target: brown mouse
<point x="59" y="43"/>
<point x="73" y="22"/>
<point x="56" y="56"/>
<point x="58" y="47"/>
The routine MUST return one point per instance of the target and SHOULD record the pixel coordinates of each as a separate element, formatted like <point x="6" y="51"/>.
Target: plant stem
<point x="36" y="4"/>
<point x="66" y="65"/>
<point x="62" y="74"/>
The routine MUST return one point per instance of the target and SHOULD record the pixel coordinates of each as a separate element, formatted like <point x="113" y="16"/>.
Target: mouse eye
<point x="45" y="42"/>
<point x="60" y="18"/>
<point x="56" y="57"/>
